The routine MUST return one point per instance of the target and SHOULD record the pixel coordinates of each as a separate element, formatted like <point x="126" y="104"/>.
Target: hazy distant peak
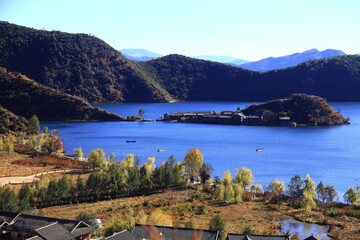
<point x="133" y="52"/>
<point x="294" y="59"/>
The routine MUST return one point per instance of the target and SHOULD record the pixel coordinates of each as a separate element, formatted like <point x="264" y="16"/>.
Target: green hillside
<point x="26" y="97"/>
<point x="10" y="122"/>
<point x="78" y="64"/>
<point x="86" y="66"/>
<point x="336" y="79"/>
<point x="301" y="108"/>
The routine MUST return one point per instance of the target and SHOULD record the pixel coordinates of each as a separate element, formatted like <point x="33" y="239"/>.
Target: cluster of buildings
<point x="224" y="117"/>
<point x="18" y="226"/>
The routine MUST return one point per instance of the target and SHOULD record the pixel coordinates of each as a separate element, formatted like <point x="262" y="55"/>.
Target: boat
<point x="161" y="150"/>
<point x="259" y="150"/>
<point x="130" y="141"/>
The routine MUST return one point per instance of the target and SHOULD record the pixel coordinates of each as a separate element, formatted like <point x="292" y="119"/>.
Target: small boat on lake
<point x="259" y="150"/>
<point x="130" y="141"/>
<point x="161" y="150"/>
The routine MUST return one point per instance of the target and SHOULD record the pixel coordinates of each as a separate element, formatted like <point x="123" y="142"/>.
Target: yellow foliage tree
<point x="244" y="177"/>
<point x="141" y="217"/>
<point x="308" y="203"/>
<point x="150" y="165"/>
<point x="192" y="162"/>
<point x="158" y="217"/>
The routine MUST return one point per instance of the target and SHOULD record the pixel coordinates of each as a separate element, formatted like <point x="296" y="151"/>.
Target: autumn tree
<point x="277" y="187"/>
<point x="244" y="177"/>
<point x="34" y="125"/>
<point x="226" y="190"/>
<point x="308" y="203"/>
<point x="192" y="162"/>
<point x="78" y="153"/>
<point x="158" y="217"/>
<point x="52" y="145"/>
<point x="97" y="158"/>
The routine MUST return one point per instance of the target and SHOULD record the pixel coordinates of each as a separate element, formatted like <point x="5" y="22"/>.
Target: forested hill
<point x="301" y="108"/>
<point x="78" y="64"/>
<point x="10" y="122"/>
<point x="336" y="79"/>
<point x="86" y="66"/>
<point x="26" y="97"/>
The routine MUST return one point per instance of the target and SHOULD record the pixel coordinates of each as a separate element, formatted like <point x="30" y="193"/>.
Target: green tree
<point x="80" y="187"/>
<point x="190" y="224"/>
<point x="244" y="177"/>
<point x="45" y="130"/>
<point x="295" y="188"/>
<point x="34" y="125"/>
<point x="88" y="218"/>
<point x="330" y="193"/>
<point x="192" y="163"/>
<point x="320" y="190"/>
<point x="205" y="172"/>
<point x="63" y="187"/>
<point x="8" y="200"/>
<point x="308" y="203"/>
<point x="97" y="158"/>
<point x="25" y="197"/>
<point x="218" y="223"/>
<point x="350" y="196"/>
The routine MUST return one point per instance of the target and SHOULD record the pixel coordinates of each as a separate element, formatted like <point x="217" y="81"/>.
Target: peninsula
<point x="300" y="109"/>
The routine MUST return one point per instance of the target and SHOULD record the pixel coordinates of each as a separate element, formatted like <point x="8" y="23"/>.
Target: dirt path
<point x="30" y="178"/>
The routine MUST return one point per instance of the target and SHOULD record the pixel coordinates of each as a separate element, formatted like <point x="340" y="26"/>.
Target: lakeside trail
<point x="30" y="178"/>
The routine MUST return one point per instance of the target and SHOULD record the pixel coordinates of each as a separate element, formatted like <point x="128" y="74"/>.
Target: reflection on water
<point x="305" y="229"/>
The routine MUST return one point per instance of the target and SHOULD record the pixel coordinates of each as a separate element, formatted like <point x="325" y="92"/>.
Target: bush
<point x="331" y="212"/>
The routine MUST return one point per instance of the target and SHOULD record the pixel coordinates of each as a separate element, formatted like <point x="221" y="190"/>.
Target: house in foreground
<point x="23" y="226"/>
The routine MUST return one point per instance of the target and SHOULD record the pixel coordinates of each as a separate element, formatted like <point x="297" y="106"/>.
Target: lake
<point x="328" y="154"/>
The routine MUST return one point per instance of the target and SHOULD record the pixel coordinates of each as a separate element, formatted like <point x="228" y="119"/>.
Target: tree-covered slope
<point x="336" y="79"/>
<point x="78" y="64"/>
<point x="10" y="122"/>
<point x="301" y="108"/>
<point x="26" y="97"/>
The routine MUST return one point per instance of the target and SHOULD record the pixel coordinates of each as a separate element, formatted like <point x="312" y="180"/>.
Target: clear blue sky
<point x="247" y="29"/>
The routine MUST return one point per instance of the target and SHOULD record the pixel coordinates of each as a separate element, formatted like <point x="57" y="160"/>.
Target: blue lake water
<point x="328" y="154"/>
<point x="304" y="229"/>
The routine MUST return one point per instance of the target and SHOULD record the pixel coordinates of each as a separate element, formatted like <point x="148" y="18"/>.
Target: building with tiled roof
<point x="25" y="226"/>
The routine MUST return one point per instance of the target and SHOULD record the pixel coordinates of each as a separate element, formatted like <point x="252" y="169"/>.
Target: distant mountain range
<point x="272" y="63"/>
<point x="220" y="59"/>
<point x="139" y="54"/>
<point x="263" y="65"/>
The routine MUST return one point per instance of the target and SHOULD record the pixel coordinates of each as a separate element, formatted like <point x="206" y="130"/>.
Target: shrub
<point x="331" y="212"/>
